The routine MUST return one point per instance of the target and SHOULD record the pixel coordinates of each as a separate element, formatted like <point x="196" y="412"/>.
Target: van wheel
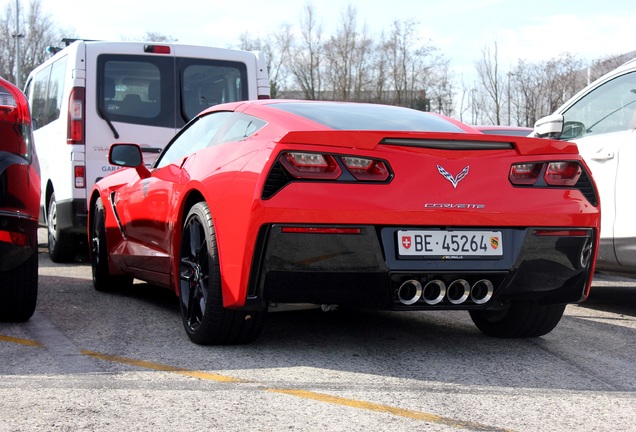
<point x="19" y="291"/>
<point x="62" y="246"/>
<point x="102" y="279"/>
<point x="205" y="319"/>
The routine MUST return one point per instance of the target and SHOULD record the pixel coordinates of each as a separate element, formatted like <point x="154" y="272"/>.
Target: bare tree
<point x="347" y="55"/>
<point x="159" y="37"/>
<point x="276" y="48"/>
<point x="490" y="83"/>
<point x="306" y="59"/>
<point x="37" y="32"/>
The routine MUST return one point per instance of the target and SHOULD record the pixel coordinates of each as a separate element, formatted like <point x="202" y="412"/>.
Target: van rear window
<point x="141" y="89"/>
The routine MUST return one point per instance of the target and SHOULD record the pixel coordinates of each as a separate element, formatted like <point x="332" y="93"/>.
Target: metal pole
<point x="17" y="37"/>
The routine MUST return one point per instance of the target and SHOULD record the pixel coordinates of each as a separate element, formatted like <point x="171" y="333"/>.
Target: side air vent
<point x="587" y="189"/>
<point x="276" y="180"/>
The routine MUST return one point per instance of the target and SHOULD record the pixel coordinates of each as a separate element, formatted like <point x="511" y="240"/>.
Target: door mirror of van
<point x="549" y="127"/>
<point x="125" y="155"/>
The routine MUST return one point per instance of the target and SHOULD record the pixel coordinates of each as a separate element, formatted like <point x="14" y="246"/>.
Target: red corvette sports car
<point x="348" y="204"/>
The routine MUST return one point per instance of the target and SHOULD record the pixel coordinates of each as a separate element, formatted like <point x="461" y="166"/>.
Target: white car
<point x="601" y="120"/>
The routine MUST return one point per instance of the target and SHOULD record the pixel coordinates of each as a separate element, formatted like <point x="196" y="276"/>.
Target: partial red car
<point x="19" y="207"/>
<point x="350" y="204"/>
<point x="504" y="130"/>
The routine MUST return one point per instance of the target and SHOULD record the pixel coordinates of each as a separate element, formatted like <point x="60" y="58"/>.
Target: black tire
<point x="518" y="320"/>
<point x="62" y="245"/>
<point x="102" y="279"/>
<point x="19" y="291"/>
<point x="205" y="319"/>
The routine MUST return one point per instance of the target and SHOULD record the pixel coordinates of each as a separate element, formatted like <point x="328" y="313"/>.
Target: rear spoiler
<point x="432" y="140"/>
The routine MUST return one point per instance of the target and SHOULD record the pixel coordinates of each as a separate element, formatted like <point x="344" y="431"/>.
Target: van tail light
<point x="311" y="165"/>
<point x="80" y="176"/>
<point x="76" y="118"/>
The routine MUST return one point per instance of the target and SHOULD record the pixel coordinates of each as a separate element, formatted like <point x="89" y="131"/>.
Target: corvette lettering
<point x="455" y="206"/>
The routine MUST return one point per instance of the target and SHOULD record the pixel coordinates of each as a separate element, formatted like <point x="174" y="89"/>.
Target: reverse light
<point x="562" y="173"/>
<point x="311" y="165"/>
<point x="80" y="177"/>
<point x="525" y="173"/>
<point x="364" y="169"/>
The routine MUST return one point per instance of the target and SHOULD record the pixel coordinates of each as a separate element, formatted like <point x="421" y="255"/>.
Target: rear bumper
<point x="365" y="270"/>
<point x="72" y="216"/>
<point x="14" y="255"/>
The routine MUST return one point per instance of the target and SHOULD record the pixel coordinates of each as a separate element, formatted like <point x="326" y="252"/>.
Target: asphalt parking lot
<point x="121" y="361"/>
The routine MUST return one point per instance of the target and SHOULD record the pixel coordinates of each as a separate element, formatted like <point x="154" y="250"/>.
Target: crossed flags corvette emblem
<point x="448" y="176"/>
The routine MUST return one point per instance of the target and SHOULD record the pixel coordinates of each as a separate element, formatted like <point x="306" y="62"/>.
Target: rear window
<point x="208" y="83"/>
<point x="136" y="89"/>
<point x="350" y="116"/>
<point x="141" y="89"/>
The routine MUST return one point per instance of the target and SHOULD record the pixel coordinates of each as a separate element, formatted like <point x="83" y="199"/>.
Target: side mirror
<point x="128" y="155"/>
<point x="125" y="155"/>
<point x="549" y="127"/>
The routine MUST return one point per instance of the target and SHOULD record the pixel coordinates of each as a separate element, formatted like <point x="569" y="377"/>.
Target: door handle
<point x="600" y="156"/>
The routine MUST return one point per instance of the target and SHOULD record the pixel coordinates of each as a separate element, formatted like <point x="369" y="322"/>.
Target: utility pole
<point x="17" y="37"/>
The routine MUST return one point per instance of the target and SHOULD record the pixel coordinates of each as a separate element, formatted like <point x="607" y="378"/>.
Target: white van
<point x="93" y="93"/>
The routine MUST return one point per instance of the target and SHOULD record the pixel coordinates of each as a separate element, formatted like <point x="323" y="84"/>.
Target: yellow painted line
<point x="162" y="367"/>
<point x="28" y="342"/>
<point x="336" y="400"/>
<point x="416" y="415"/>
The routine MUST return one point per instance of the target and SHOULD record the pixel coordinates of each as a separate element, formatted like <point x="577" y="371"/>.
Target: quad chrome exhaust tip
<point x="435" y="291"/>
<point x="409" y="292"/>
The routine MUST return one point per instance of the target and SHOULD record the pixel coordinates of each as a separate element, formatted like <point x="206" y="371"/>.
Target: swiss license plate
<point x="451" y="244"/>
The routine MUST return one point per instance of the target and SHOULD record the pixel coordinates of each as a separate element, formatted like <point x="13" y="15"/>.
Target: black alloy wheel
<point x="205" y="319"/>
<point x="102" y="279"/>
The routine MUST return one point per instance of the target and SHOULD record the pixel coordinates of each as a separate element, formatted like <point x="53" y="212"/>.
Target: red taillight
<point x="562" y="173"/>
<point x="15" y="238"/>
<point x="525" y="174"/>
<point x="76" y="104"/>
<point x="14" y="107"/>
<point x="80" y="176"/>
<point x="157" y="49"/>
<point x="319" y="230"/>
<point x="311" y="165"/>
<point x="364" y="169"/>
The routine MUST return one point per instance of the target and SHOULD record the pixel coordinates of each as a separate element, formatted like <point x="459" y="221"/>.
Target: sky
<point x="531" y="30"/>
